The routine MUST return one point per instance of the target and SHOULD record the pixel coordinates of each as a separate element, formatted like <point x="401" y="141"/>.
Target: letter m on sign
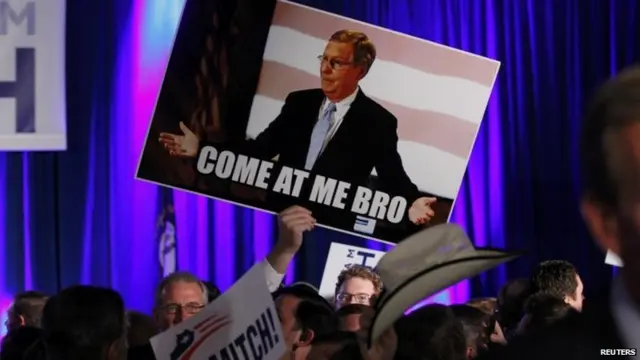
<point x="10" y="15"/>
<point x="22" y="90"/>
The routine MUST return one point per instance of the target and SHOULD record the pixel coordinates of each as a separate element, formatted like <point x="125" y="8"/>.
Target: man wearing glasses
<point x="335" y="131"/>
<point x="180" y="296"/>
<point x="357" y="285"/>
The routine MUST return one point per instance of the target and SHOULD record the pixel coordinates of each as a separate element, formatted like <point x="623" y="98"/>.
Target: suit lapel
<point x="349" y="128"/>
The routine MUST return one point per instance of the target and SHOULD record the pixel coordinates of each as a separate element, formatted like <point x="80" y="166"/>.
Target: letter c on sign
<point x="207" y="160"/>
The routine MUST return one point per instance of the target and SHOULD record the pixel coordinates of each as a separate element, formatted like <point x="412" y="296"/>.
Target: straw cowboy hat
<point x="424" y="264"/>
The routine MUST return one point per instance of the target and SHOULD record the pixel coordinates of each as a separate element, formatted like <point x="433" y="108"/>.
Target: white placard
<point x="340" y="256"/>
<point x="613" y="259"/>
<point x="240" y="324"/>
<point x="32" y="75"/>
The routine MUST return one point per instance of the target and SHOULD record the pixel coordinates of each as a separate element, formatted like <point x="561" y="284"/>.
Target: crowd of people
<point x="86" y="322"/>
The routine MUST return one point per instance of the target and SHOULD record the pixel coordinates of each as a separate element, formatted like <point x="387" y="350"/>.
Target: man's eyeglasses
<point x="335" y="64"/>
<point x="191" y="308"/>
<point x="363" y="299"/>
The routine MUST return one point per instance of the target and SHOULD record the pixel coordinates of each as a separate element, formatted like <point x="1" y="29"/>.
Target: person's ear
<point x="22" y="321"/>
<point x="602" y="225"/>
<point x="470" y="353"/>
<point x="306" y="337"/>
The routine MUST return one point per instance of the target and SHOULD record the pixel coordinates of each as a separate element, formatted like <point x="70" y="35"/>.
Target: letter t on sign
<point x="365" y="256"/>
<point x="23" y="90"/>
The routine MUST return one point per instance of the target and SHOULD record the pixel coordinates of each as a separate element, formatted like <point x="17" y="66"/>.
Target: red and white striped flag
<point x="439" y="94"/>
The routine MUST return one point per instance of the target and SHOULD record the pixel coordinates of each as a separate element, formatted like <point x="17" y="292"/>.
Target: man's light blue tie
<point x="319" y="135"/>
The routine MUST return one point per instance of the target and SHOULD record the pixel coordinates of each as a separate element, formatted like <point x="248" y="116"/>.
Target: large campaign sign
<point x="375" y="146"/>
<point x="32" y="75"/>
<point x="240" y="324"/>
<point x="342" y="256"/>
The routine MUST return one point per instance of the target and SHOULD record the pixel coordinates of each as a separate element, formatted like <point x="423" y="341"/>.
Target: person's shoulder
<point x="377" y="111"/>
<point x="568" y="338"/>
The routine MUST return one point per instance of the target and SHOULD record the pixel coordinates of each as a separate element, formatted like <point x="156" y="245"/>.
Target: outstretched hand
<point x="185" y="145"/>
<point x="421" y="212"/>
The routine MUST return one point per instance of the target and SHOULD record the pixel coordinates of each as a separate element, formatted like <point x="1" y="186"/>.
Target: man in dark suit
<point x="335" y="131"/>
<point x="611" y="208"/>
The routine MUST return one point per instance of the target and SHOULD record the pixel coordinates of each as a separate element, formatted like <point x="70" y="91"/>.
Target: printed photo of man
<point x="336" y="130"/>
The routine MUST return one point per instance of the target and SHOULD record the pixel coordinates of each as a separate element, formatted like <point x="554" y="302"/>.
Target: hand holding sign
<point x="233" y="326"/>
<point x="292" y="223"/>
<point x="421" y="212"/>
<point x="185" y="145"/>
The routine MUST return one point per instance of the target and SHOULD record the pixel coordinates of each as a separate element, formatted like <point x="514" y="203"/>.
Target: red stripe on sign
<point x="201" y="339"/>
<point x="444" y="132"/>
<point x="391" y="46"/>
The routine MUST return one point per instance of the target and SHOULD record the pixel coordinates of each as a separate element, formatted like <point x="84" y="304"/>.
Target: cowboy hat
<point x="424" y="264"/>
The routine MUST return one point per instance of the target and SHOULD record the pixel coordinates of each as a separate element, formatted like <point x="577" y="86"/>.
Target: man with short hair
<point x="26" y="310"/>
<point x="85" y="323"/>
<point x="475" y="326"/>
<point x="178" y="297"/>
<point x="541" y="311"/>
<point x="312" y="319"/>
<point x="357" y="284"/>
<point x="560" y="279"/>
<point x="335" y="131"/>
<point x="287" y="300"/>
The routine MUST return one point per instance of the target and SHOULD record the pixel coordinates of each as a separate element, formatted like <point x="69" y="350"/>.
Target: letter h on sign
<point x="23" y="89"/>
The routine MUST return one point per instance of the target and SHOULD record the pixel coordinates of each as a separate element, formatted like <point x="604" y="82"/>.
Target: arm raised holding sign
<point x="292" y="223"/>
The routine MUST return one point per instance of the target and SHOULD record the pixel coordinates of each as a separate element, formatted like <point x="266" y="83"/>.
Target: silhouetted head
<point x="85" y="323"/>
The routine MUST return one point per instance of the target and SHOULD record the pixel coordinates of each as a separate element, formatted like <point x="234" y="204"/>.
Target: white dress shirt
<point x="271" y="276"/>
<point x="342" y="107"/>
<point x="626" y="315"/>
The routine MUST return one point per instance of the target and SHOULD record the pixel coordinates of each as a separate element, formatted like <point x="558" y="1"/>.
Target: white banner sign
<point x="339" y="258"/>
<point x="240" y="324"/>
<point x="32" y="75"/>
<point x="613" y="259"/>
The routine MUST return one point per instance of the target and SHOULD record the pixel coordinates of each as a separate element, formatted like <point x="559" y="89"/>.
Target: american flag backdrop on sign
<point x="167" y="245"/>
<point x="439" y="94"/>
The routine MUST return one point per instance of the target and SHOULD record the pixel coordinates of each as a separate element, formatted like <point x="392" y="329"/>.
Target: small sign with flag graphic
<point x="186" y="343"/>
<point x="241" y="324"/>
<point x="364" y="225"/>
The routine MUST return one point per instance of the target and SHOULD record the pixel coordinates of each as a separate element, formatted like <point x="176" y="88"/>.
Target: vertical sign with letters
<point x="342" y="256"/>
<point x="32" y="75"/>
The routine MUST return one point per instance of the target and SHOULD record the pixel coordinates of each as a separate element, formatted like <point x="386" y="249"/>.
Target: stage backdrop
<point x="79" y="216"/>
<point x="32" y="75"/>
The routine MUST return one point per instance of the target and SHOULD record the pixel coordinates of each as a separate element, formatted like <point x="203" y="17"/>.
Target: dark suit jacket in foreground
<point x="366" y="139"/>
<point x="579" y="336"/>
